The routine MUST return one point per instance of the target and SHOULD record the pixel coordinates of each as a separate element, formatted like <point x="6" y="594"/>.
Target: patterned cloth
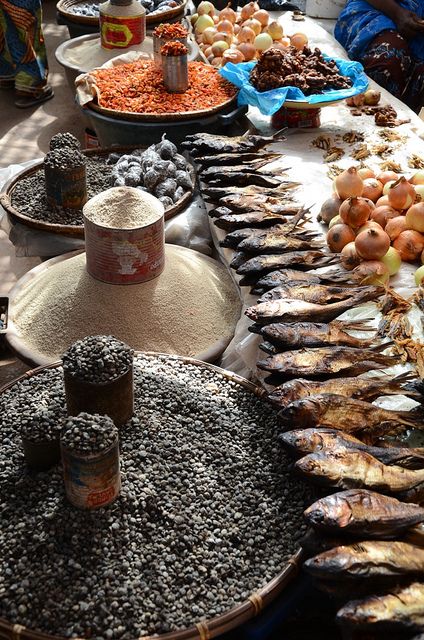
<point x="23" y="59"/>
<point x="359" y="23"/>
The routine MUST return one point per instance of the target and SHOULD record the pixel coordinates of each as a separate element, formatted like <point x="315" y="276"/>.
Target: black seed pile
<point x="29" y="194"/>
<point x="97" y="359"/>
<point x="208" y="513"/>
<point x="88" y="433"/>
<point x="64" y="158"/>
<point x="63" y="141"/>
<point x="44" y="425"/>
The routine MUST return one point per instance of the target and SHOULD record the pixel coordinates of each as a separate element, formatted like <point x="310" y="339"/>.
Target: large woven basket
<point x="200" y="630"/>
<point x="64" y="8"/>
<point x="66" y="229"/>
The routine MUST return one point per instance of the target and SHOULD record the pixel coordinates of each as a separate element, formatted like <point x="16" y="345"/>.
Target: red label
<point x="122" y="32"/>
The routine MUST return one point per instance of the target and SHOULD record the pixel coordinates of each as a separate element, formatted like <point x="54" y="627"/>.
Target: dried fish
<point x="274" y="241"/>
<point x="356" y="469"/>
<point x="230" y="159"/>
<point x="314" y="440"/>
<point x="282" y="276"/>
<point x="322" y="142"/>
<point x="207" y="143"/>
<point x="238" y="259"/>
<point x="334" y="171"/>
<point x="313" y="334"/>
<point x="390" y="165"/>
<point x="241" y="179"/>
<point x="375" y="559"/>
<point x="320" y="294"/>
<point x="253" y="201"/>
<point x="338" y="412"/>
<point x="381" y="150"/>
<point x="215" y="172"/>
<point x="259" y="219"/>
<point x="233" y="239"/>
<point x="364" y="513"/>
<point x="217" y="212"/>
<point x="333" y="154"/>
<point x="416" y="162"/>
<point x="249" y="192"/>
<point x="391" y="136"/>
<point x="261" y="264"/>
<point x="415" y="535"/>
<point x="361" y="152"/>
<point x="400" y="609"/>
<point x="353" y="136"/>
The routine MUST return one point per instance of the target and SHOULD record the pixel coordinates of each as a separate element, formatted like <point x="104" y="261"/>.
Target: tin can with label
<point x="91" y="481"/>
<point x="66" y="186"/>
<point x="296" y="118"/>
<point x="122" y="24"/>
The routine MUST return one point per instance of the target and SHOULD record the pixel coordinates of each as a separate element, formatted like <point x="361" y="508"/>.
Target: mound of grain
<point x="123" y="208"/>
<point x="185" y="311"/>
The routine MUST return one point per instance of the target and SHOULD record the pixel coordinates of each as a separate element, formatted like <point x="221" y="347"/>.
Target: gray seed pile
<point x="43" y="425"/>
<point x="208" y="513"/>
<point x="97" y="359"/>
<point x="29" y="194"/>
<point x="64" y="158"/>
<point x="64" y="141"/>
<point x="91" y="9"/>
<point x="88" y="433"/>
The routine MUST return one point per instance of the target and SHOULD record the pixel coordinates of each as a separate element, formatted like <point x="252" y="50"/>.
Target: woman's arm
<point x="407" y="22"/>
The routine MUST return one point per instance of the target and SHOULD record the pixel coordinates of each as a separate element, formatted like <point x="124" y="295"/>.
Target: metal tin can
<point x="125" y="256"/>
<point x="122" y="24"/>
<point x="114" y="399"/>
<point x="66" y="187"/>
<point x="175" y="73"/>
<point x="92" y="481"/>
<point x="158" y="42"/>
<point x="296" y="118"/>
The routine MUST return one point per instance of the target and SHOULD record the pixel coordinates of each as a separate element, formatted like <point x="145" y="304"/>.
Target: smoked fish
<point x="212" y="144"/>
<point x="241" y="179"/>
<point x="356" y="469"/>
<point x="367" y="389"/>
<point x="259" y="265"/>
<point x="348" y="415"/>
<point x="415" y="535"/>
<point x="233" y="239"/>
<point x="401" y="609"/>
<point x="374" y="559"/>
<point x="253" y="200"/>
<point x="282" y="276"/>
<point x="258" y="219"/>
<point x="313" y="334"/>
<point x="319" y="293"/>
<point x="360" y="512"/>
<point x="274" y="240"/>
<point x="254" y="160"/>
<point x="314" y="440"/>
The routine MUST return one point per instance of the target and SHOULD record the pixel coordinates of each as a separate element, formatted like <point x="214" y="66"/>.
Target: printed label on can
<point x="66" y="188"/>
<point x="94" y="481"/>
<point x="122" y="32"/>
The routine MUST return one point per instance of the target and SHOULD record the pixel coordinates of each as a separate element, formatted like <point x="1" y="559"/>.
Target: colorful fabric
<point x="388" y="61"/>
<point x="359" y="23"/>
<point x="23" y="58"/>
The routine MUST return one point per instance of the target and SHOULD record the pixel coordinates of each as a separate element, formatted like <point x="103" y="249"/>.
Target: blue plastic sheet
<point x="268" y="102"/>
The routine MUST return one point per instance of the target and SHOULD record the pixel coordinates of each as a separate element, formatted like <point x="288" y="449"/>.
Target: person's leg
<point x="26" y="46"/>
<point x="388" y="61"/>
<point x="414" y="93"/>
<point x="7" y="69"/>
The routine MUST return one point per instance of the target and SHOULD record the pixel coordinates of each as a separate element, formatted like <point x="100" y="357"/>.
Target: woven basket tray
<point x="64" y="8"/>
<point x="66" y="229"/>
<point x="200" y="630"/>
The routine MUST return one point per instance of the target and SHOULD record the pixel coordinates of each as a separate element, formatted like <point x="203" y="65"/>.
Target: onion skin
<point x="356" y="211"/>
<point x="339" y="236"/>
<point x="392" y="260"/>
<point x="386" y="176"/>
<point x="348" y="184"/>
<point x="372" y="244"/>
<point x="383" y="214"/>
<point x="370" y="224"/>
<point x="415" y="217"/>
<point x="418" y="177"/>
<point x="330" y="209"/>
<point x="401" y="194"/>
<point x="395" y="226"/>
<point x="366" y="172"/>
<point x="373" y="189"/>
<point x="410" y="245"/>
<point x="349" y="257"/>
<point x="372" y="272"/>
<point x="383" y="201"/>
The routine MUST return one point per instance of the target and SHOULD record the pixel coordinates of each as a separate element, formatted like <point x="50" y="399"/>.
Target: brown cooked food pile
<point x="305" y="69"/>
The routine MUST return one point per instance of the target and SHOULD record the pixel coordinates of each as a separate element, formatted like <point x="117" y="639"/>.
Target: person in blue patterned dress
<point x="387" y="37"/>
<point x="23" y="58"/>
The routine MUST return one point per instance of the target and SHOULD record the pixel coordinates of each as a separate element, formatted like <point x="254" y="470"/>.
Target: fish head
<point x="303" y="440"/>
<point x="300" y="413"/>
<point x="318" y="466"/>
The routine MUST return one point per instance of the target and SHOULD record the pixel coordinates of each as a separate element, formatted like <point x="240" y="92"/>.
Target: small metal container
<point x="114" y="399"/>
<point x="157" y="44"/>
<point x="66" y="187"/>
<point x="91" y="481"/>
<point x="175" y="73"/>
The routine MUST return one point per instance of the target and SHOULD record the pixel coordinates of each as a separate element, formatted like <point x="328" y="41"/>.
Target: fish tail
<point x="382" y="347"/>
<point x="278" y="135"/>
<point x="357" y="325"/>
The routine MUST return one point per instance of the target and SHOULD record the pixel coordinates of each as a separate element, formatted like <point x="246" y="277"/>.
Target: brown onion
<point x="356" y="211"/>
<point x="410" y="245"/>
<point x="383" y="214"/>
<point x="232" y="55"/>
<point x="386" y="176"/>
<point x="384" y="200"/>
<point x="395" y="226"/>
<point x="372" y="97"/>
<point x="348" y="184"/>
<point x="372" y="244"/>
<point x="339" y="236"/>
<point x="366" y="172"/>
<point x="247" y="50"/>
<point x="415" y="217"/>
<point x="401" y="194"/>
<point x="330" y="208"/>
<point x="349" y="256"/>
<point x="228" y="14"/>
<point x="373" y="189"/>
<point x="418" y="177"/>
<point x="372" y="272"/>
<point x="246" y="34"/>
<point x="370" y="224"/>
